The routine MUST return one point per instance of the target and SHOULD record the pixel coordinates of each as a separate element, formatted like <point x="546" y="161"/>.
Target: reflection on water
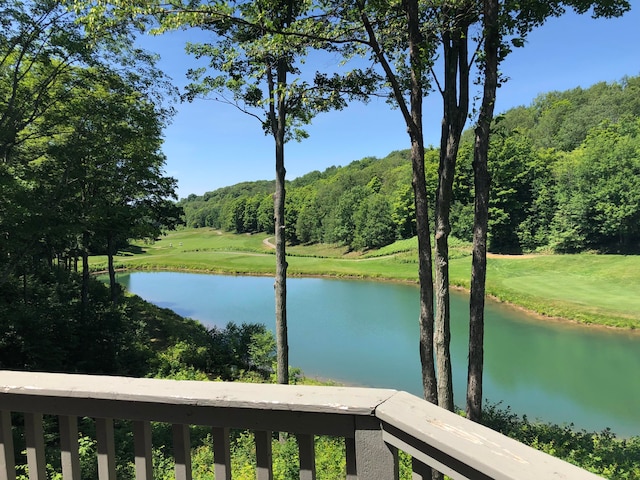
<point x="366" y="333"/>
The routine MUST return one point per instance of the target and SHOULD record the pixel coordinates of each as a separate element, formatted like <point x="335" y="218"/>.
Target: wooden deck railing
<point x="375" y="423"/>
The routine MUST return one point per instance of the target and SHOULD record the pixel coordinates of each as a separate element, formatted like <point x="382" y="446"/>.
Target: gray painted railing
<point x="375" y="423"/>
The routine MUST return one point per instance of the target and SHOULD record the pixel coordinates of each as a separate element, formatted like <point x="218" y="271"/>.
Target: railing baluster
<point x="34" y="434"/>
<point x="7" y="463"/>
<point x="420" y="470"/>
<point x="106" y="449"/>
<point x="264" y="467"/>
<point x="142" y="447"/>
<point x="69" y="449"/>
<point x="307" y="454"/>
<point x="182" y="451"/>
<point x="350" y="456"/>
<point x="374" y="458"/>
<point x="221" y="454"/>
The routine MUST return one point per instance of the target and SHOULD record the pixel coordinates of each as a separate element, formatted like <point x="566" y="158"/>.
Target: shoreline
<point x="457" y="288"/>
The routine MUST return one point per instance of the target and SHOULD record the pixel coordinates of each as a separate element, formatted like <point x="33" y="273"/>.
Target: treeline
<point x="81" y="165"/>
<point x="565" y="176"/>
<point x="81" y="172"/>
<point x="365" y="205"/>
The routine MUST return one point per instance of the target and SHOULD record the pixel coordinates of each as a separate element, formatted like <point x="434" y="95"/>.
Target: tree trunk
<point x="442" y="331"/>
<point x="280" y="286"/>
<point x="481" y="213"/>
<point x="24" y="286"/>
<point x="113" y="286"/>
<point x="429" y="381"/>
<point x="413" y="118"/>
<point x="456" y="109"/>
<point x="84" y="296"/>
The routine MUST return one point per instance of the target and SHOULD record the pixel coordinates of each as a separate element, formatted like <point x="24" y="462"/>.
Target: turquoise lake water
<point x="366" y="333"/>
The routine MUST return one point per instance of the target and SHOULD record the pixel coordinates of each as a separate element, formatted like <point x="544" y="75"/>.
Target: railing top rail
<point x="432" y="435"/>
<point x="300" y="398"/>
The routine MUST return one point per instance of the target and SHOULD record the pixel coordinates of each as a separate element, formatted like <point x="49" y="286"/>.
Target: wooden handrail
<point x="374" y="422"/>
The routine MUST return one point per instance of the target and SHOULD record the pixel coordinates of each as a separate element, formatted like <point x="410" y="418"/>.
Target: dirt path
<point x="512" y="257"/>
<point x="267" y="242"/>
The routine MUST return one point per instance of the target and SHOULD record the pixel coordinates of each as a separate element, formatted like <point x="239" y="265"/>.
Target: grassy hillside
<point x="588" y="288"/>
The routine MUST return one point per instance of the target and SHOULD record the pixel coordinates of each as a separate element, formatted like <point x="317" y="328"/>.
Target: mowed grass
<point x="602" y="289"/>
<point x="588" y="288"/>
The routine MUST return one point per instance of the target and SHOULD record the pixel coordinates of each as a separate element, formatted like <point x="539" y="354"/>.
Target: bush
<point x="598" y="452"/>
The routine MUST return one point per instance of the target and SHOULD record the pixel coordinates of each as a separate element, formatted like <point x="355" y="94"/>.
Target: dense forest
<point x="565" y="177"/>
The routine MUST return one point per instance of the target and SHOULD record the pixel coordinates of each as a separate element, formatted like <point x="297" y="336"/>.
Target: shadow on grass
<point x="132" y="250"/>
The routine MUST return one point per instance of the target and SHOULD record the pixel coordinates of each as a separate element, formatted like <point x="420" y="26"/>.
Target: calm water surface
<point x="366" y="333"/>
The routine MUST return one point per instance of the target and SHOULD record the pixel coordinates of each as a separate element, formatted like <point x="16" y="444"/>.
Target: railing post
<point x="221" y="454"/>
<point x="69" y="449"/>
<point x="375" y="460"/>
<point x="182" y="451"/>
<point x="142" y="447"/>
<point x="34" y="434"/>
<point x="307" y="455"/>
<point x="7" y="463"/>
<point x="264" y="466"/>
<point x="106" y="449"/>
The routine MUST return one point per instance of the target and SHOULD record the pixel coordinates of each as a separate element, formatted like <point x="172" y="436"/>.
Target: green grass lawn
<point x="603" y="289"/>
<point x="589" y="288"/>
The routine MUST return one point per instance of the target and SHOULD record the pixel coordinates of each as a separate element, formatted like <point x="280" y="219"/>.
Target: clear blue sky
<point x="211" y="145"/>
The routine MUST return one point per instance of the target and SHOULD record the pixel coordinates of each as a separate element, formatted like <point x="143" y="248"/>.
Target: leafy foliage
<point x="601" y="192"/>
<point x="569" y="193"/>
<point x="43" y="329"/>
<point x="365" y="205"/>
<point x="80" y="139"/>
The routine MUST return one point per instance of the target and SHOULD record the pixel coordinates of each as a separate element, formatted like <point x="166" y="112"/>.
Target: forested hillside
<point x="565" y="177"/>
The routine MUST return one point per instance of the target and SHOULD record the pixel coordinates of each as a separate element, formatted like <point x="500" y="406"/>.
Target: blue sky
<point x="211" y="145"/>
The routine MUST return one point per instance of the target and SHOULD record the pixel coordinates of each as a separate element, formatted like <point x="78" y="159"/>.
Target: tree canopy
<point x="80" y="140"/>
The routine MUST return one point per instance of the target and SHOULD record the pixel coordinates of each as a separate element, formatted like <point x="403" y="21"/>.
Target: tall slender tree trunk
<point x="419" y="183"/>
<point x="442" y="329"/>
<point x="456" y="109"/>
<point x="426" y="319"/>
<point x="413" y="118"/>
<point x="84" y="295"/>
<point x="113" y="286"/>
<point x="24" y="286"/>
<point x="280" y="286"/>
<point x="481" y="212"/>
